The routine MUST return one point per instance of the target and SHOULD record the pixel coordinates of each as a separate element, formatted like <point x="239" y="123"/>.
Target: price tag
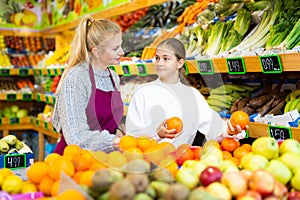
<point x="46" y="125"/>
<point x="41" y="72"/>
<point x="270" y="64"/>
<point x="49" y="72"/>
<point x="47" y="99"/>
<point x="112" y="67"/>
<point x="5" y="72"/>
<point x="53" y="99"/>
<point x="279" y="132"/>
<point x="235" y="65"/>
<point x="27" y="97"/>
<point x="14" y="161"/>
<point x="38" y="97"/>
<point x="23" y="72"/>
<point x="126" y="70"/>
<point x="142" y="69"/>
<point x="31" y="120"/>
<point x="11" y="97"/>
<point x="0" y="120"/>
<point x="205" y="67"/>
<point x="14" y="120"/>
<point x="37" y="122"/>
<point x="55" y="72"/>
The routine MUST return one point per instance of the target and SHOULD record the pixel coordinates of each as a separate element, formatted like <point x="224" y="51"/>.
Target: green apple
<point x="235" y="181"/>
<point x="295" y="181"/>
<point x="187" y="177"/>
<point x="289" y="145"/>
<point x="196" y="165"/>
<point x="279" y="170"/>
<point x="265" y="146"/>
<point x="229" y="165"/>
<point x="292" y="160"/>
<point x="219" y="191"/>
<point x="255" y="162"/>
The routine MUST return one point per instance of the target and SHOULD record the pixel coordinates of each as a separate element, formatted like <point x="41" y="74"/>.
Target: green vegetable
<point x="292" y="38"/>
<point x="242" y="21"/>
<point x="258" y="5"/>
<point x="215" y="38"/>
<point x="233" y="39"/>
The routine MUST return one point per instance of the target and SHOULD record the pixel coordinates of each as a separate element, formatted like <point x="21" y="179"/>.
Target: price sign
<point x="55" y="72"/>
<point x="205" y="67"/>
<point x="37" y="122"/>
<point x="47" y="99"/>
<point x="23" y="72"/>
<point x="31" y="120"/>
<point x="11" y="97"/>
<point x="41" y="71"/>
<point x="14" y="161"/>
<point x="27" y="97"/>
<point x="53" y="99"/>
<point x="142" y="70"/>
<point x="270" y="64"/>
<point x="14" y="120"/>
<point x="279" y="132"/>
<point x="38" y="97"/>
<point x="46" y="125"/>
<point x="235" y="65"/>
<point x="0" y="120"/>
<point x="5" y="72"/>
<point x="112" y="67"/>
<point x="49" y="72"/>
<point x="126" y="70"/>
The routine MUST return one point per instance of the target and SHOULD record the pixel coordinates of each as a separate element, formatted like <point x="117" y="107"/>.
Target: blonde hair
<point x="178" y="48"/>
<point x="90" y="33"/>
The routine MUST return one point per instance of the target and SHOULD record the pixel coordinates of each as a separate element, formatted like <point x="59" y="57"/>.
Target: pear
<point x="200" y="194"/>
<point x="163" y="174"/>
<point x="10" y="139"/>
<point x="177" y="191"/>
<point x="159" y="187"/>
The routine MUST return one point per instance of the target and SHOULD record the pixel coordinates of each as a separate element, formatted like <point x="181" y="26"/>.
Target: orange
<point x="45" y="185"/>
<point x="115" y="159"/>
<point x="37" y="171"/>
<point x="72" y="150"/>
<point x="86" y="178"/>
<point x="81" y="163"/>
<point x="166" y="147"/>
<point x="183" y="155"/>
<point x="197" y="152"/>
<point x="229" y="144"/>
<point x="226" y="155"/>
<point x="174" y="123"/>
<point x="239" y="152"/>
<point x="235" y="160"/>
<point x="59" y="165"/>
<point x="50" y="157"/>
<point x="77" y="175"/>
<point x="247" y="146"/>
<point x="55" y="188"/>
<point x="97" y="165"/>
<point x="127" y="141"/>
<point x="133" y="153"/>
<point x="169" y="164"/>
<point x="240" y="118"/>
<point x="144" y="142"/>
<point x="154" y="155"/>
<point x="70" y="194"/>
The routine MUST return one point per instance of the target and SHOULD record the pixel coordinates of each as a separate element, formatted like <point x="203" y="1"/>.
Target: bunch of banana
<point x="225" y="95"/>
<point x="9" y="142"/>
<point x="292" y="101"/>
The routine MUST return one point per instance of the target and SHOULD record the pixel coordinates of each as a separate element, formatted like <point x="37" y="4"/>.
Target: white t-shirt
<point x="156" y="101"/>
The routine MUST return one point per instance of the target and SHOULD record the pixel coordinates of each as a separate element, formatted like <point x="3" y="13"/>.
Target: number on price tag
<point x="280" y="132"/>
<point x="205" y="67"/>
<point x="14" y="161"/>
<point x="14" y="120"/>
<point x="11" y="97"/>
<point x="27" y="97"/>
<point x="112" y="67"/>
<point x="235" y="65"/>
<point x="47" y="99"/>
<point x="23" y="72"/>
<point x="5" y="72"/>
<point x="270" y="64"/>
<point x="38" y="97"/>
<point x="126" y="70"/>
<point x="46" y="125"/>
<point x="142" y="70"/>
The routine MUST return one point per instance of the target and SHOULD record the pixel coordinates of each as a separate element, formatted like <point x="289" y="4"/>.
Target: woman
<point x="89" y="108"/>
<point x="166" y="97"/>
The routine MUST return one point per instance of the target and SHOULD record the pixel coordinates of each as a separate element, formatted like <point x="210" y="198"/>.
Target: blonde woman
<point x="89" y="108"/>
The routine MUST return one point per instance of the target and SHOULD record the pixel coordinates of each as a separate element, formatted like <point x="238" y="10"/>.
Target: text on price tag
<point x="270" y="64"/>
<point x="205" y="67"/>
<point x="235" y="65"/>
<point x="279" y="133"/>
<point x="15" y="161"/>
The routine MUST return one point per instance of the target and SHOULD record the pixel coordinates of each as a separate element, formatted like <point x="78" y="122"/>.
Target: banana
<point x="294" y="104"/>
<point x="10" y="139"/>
<point x="223" y="98"/>
<point x="218" y="103"/>
<point x="216" y="108"/>
<point x="287" y="106"/>
<point x="295" y="94"/>
<point x="19" y="145"/>
<point x="235" y="87"/>
<point x="4" y="147"/>
<point x="221" y="90"/>
<point x="288" y="97"/>
<point x="298" y="107"/>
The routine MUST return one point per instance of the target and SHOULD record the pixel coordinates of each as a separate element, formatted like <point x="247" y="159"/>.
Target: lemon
<point x="6" y="172"/>
<point x="12" y="184"/>
<point x="28" y="187"/>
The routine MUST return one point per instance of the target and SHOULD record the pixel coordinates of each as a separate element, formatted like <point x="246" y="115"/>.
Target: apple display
<point x="292" y="160"/>
<point x="236" y="182"/>
<point x="196" y="165"/>
<point x="249" y="195"/>
<point x="187" y="177"/>
<point x="263" y="182"/>
<point x="209" y="175"/>
<point x="280" y="190"/>
<point x="219" y="190"/>
<point x="295" y="181"/>
<point x="265" y="146"/>
<point x="279" y="170"/>
<point x="289" y="145"/>
<point x="294" y="195"/>
<point x="255" y="162"/>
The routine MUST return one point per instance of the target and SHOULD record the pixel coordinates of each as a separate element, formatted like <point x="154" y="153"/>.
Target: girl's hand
<point x="163" y="132"/>
<point x="235" y="132"/>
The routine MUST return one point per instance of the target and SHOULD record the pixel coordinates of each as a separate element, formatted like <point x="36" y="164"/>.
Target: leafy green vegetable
<point x="242" y="21"/>
<point x="215" y="38"/>
<point x="292" y="38"/>
<point x="233" y="39"/>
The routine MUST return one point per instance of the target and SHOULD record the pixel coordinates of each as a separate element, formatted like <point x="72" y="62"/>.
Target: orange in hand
<point x="174" y="123"/>
<point x="240" y="118"/>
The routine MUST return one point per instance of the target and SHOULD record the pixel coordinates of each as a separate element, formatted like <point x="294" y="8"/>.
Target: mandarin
<point x="45" y="185"/>
<point x="229" y="144"/>
<point x="174" y="123"/>
<point x="59" y="165"/>
<point x="239" y="152"/>
<point x="70" y="194"/>
<point x="37" y="171"/>
<point x="240" y="118"/>
<point x="127" y="141"/>
<point x="144" y="142"/>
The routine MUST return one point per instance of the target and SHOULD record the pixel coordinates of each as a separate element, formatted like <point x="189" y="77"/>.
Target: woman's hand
<point x="163" y="132"/>
<point x="235" y="132"/>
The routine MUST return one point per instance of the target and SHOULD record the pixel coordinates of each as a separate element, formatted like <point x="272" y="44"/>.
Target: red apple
<point x="280" y="190"/>
<point x="209" y="175"/>
<point x="262" y="182"/>
<point x="295" y="195"/>
<point x="249" y="194"/>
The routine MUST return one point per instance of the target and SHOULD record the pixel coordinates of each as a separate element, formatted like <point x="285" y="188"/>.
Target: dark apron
<point x="104" y="110"/>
